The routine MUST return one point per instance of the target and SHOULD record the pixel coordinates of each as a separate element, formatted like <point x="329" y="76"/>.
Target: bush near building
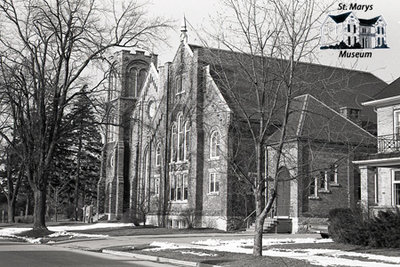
<point x="350" y="227"/>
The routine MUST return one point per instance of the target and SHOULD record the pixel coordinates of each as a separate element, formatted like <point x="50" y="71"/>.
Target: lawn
<point x="277" y="252"/>
<point x="216" y="257"/>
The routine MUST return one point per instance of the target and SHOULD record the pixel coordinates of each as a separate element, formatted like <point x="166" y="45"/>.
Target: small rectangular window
<point x="179" y="187"/>
<point x="314" y="187"/>
<point x="354" y="28"/>
<point x="348" y="27"/>
<point x="213" y="183"/>
<point x="185" y="186"/>
<point x="379" y="30"/>
<point x="172" y="187"/>
<point x="349" y="40"/>
<point x="383" y="30"/>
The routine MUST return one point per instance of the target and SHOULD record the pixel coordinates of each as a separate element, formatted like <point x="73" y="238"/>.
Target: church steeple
<point x="184" y="36"/>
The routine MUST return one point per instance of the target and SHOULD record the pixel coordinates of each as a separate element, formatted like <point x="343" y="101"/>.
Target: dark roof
<point x="336" y="87"/>
<point x="369" y="22"/>
<point x="391" y="90"/>
<point x="309" y="118"/>
<point x="340" y="18"/>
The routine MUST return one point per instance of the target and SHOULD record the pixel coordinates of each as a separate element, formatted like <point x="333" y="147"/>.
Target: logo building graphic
<point x="347" y="31"/>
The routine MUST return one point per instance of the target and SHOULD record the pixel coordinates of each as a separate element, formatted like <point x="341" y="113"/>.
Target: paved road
<point x="16" y="254"/>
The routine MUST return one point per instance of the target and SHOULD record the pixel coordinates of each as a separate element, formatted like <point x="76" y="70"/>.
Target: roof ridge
<point x="352" y="122"/>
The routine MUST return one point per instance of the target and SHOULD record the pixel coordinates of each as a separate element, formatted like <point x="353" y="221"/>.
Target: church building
<point x="175" y="139"/>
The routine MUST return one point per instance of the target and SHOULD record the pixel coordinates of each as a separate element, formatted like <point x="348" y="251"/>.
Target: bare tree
<point x="46" y="49"/>
<point x="266" y="42"/>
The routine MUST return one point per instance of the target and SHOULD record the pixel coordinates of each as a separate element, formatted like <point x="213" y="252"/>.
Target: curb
<point x="156" y="258"/>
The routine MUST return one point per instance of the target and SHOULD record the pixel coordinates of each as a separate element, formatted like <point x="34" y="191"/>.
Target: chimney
<point x="353" y="114"/>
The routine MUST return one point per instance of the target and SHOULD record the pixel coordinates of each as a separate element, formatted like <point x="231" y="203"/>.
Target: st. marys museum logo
<point x="346" y="31"/>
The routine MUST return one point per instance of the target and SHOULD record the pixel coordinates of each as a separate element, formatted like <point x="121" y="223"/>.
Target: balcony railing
<point x="388" y="143"/>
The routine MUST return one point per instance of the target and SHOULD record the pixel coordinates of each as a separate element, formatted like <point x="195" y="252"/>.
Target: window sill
<point x="213" y="194"/>
<point x="179" y="93"/>
<point x="214" y="158"/>
<point x="334" y="185"/>
<point x="324" y="191"/>
<point x="314" y="197"/>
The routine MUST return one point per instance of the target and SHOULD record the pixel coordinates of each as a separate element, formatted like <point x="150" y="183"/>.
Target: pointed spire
<point x="184" y="36"/>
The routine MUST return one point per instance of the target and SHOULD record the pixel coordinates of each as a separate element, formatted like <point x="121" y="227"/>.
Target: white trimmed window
<point x="179" y="187"/>
<point x="396" y="122"/>
<point x="323" y="175"/>
<point x="187" y="141"/>
<point x="158" y="154"/>
<point x="157" y="185"/>
<point x="215" y="145"/>
<point x="172" y="192"/>
<point x="181" y="138"/>
<point x="213" y="183"/>
<point x="396" y="188"/>
<point x="185" y="186"/>
<point x="314" y="187"/>
<point x="333" y="174"/>
<point x="173" y="144"/>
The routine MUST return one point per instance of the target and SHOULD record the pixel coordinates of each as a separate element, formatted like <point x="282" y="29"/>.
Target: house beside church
<point x="347" y="28"/>
<point x="380" y="172"/>
<point x="176" y="136"/>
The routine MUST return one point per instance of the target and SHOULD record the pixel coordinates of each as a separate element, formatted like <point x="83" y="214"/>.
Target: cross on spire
<point x="184" y="36"/>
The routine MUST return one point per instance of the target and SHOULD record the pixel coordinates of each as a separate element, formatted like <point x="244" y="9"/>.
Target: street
<point x="17" y="254"/>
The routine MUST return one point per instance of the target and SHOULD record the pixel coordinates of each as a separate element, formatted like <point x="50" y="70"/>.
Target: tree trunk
<point x="27" y="206"/>
<point x="78" y="171"/>
<point x="259" y="225"/>
<point x="11" y="211"/>
<point x="39" y="212"/>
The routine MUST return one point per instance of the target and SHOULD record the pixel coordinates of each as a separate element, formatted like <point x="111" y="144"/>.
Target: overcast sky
<point x="385" y="63"/>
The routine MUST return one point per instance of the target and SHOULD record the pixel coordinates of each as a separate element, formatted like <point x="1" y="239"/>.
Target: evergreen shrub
<point x="348" y="226"/>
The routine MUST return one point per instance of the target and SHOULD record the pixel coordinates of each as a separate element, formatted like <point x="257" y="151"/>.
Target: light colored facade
<point x="347" y="28"/>
<point x="380" y="173"/>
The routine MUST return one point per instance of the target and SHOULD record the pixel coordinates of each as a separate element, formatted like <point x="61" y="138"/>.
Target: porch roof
<point x="388" y="162"/>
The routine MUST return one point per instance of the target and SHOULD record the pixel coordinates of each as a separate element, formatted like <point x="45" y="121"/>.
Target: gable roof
<point x="341" y="17"/>
<point x="337" y="87"/>
<point x="369" y="22"/>
<point x="309" y="118"/>
<point x="390" y="90"/>
<point x="389" y="95"/>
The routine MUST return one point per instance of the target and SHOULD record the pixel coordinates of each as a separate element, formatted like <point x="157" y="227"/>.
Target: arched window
<point x="173" y="144"/>
<point x="141" y="79"/>
<point x="178" y="84"/>
<point x="143" y="183"/>
<point x="181" y="138"/>
<point x="187" y="141"/>
<point x="158" y="154"/>
<point x="215" y="144"/>
<point x="132" y="82"/>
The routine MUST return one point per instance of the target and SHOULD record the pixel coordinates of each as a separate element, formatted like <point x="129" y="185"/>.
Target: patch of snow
<point x="266" y="241"/>
<point x="12" y="231"/>
<point x="165" y="246"/>
<point x="72" y="234"/>
<point x="201" y="254"/>
<point x="89" y="226"/>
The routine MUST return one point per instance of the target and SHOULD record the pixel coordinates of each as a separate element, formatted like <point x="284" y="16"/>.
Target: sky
<point x="385" y="63"/>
